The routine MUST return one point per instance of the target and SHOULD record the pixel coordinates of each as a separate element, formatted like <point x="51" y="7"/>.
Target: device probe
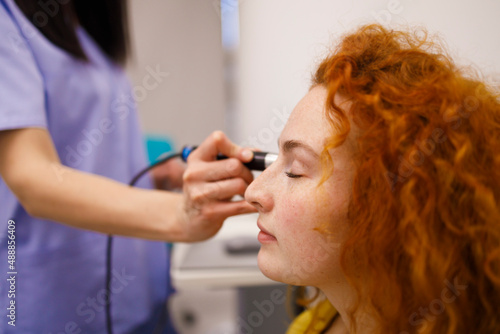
<point x="260" y="161"/>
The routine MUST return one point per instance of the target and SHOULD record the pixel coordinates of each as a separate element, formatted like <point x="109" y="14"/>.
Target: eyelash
<point x="292" y="176"/>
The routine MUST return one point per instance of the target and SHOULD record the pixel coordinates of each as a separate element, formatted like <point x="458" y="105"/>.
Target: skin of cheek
<point x="290" y="234"/>
<point x="283" y="261"/>
<point x="329" y="202"/>
<point x="306" y="254"/>
<point x="330" y="226"/>
<point x="293" y="241"/>
<point x="332" y="222"/>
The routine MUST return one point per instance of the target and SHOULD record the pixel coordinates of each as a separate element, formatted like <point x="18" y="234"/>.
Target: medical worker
<point x="69" y="144"/>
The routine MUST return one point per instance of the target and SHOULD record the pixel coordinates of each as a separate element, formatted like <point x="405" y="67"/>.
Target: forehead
<point x="307" y="120"/>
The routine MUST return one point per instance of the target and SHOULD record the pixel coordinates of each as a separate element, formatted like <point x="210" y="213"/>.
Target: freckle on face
<point x="307" y="218"/>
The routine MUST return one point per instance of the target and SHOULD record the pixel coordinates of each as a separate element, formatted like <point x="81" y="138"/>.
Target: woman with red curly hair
<point x="385" y="195"/>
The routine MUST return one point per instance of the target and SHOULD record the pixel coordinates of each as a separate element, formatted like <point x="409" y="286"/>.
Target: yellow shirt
<point x="322" y="314"/>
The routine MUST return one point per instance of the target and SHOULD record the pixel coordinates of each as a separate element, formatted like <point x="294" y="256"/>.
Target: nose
<point x="259" y="192"/>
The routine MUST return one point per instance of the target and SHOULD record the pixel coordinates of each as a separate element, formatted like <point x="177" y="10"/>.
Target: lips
<point x="259" y="225"/>
<point x="264" y="236"/>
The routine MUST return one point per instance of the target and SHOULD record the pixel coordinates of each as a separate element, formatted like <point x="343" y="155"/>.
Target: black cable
<point x="147" y="169"/>
<point x="109" y="322"/>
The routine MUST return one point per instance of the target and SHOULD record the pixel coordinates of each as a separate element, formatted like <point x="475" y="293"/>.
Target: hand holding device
<point x="260" y="161"/>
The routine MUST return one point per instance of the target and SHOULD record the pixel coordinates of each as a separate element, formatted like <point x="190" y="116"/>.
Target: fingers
<point x="218" y="170"/>
<point x="222" y="210"/>
<point x="205" y="220"/>
<point x="217" y="191"/>
<point x="210" y="184"/>
<point x="217" y="143"/>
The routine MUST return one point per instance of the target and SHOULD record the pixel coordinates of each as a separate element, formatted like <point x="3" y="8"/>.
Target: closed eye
<point x="292" y="176"/>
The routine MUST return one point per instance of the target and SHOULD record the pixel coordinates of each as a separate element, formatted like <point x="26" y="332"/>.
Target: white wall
<point x="282" y="40"/>
<point x="181" y="38"/>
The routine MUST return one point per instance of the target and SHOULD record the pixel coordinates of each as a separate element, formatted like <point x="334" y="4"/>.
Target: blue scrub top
<point x="89" y="110"/>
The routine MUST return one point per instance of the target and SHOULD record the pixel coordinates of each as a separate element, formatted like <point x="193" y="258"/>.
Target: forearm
<point x="31" y="168"/>
<point x="96" y="203"/>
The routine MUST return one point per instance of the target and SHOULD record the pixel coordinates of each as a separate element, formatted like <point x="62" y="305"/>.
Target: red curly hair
<point x="423" y="250"/>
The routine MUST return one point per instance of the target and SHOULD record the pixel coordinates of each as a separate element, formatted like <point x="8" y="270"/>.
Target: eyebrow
<point x="290" y="145"/>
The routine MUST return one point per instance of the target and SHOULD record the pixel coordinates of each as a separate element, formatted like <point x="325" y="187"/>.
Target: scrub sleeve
<point x="89" y="111"/>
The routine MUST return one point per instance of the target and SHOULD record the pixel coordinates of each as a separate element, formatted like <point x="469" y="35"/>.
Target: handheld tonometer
<point x="260" y="161"/>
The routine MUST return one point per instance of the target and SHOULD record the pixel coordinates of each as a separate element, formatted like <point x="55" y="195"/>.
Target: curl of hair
<point x="423" y="250"/>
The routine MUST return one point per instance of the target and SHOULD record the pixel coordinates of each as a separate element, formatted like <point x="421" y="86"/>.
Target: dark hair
<point x="105" y="20"/>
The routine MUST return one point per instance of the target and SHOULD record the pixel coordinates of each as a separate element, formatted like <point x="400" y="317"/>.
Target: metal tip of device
<point x="269" y="159"/>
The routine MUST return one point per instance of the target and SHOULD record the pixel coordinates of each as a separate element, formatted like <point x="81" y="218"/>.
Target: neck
<point x="342" y="296"/>
<point x="337" y="327"/>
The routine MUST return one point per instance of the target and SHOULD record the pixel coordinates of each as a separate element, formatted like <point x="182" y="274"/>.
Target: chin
<point x="282" y="271"/>
<point x="269" y="268"/>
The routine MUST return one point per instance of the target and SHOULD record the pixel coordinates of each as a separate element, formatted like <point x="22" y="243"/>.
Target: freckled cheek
<point x="290" y="217"/>
<point x="300" y="219"/>
<point x="319" y="204"/>
<point x="304" y="213"/>
<point x="330" y="213"/>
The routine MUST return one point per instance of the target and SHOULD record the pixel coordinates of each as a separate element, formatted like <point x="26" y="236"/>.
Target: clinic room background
<point x="248" y="85"/>
<point x="241" y="66"/>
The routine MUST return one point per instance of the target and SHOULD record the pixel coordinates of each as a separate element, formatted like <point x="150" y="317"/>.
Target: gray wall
<point x="280" y="43"/>
<point x="282" y="40"/>
<point x="181" y="38"/>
